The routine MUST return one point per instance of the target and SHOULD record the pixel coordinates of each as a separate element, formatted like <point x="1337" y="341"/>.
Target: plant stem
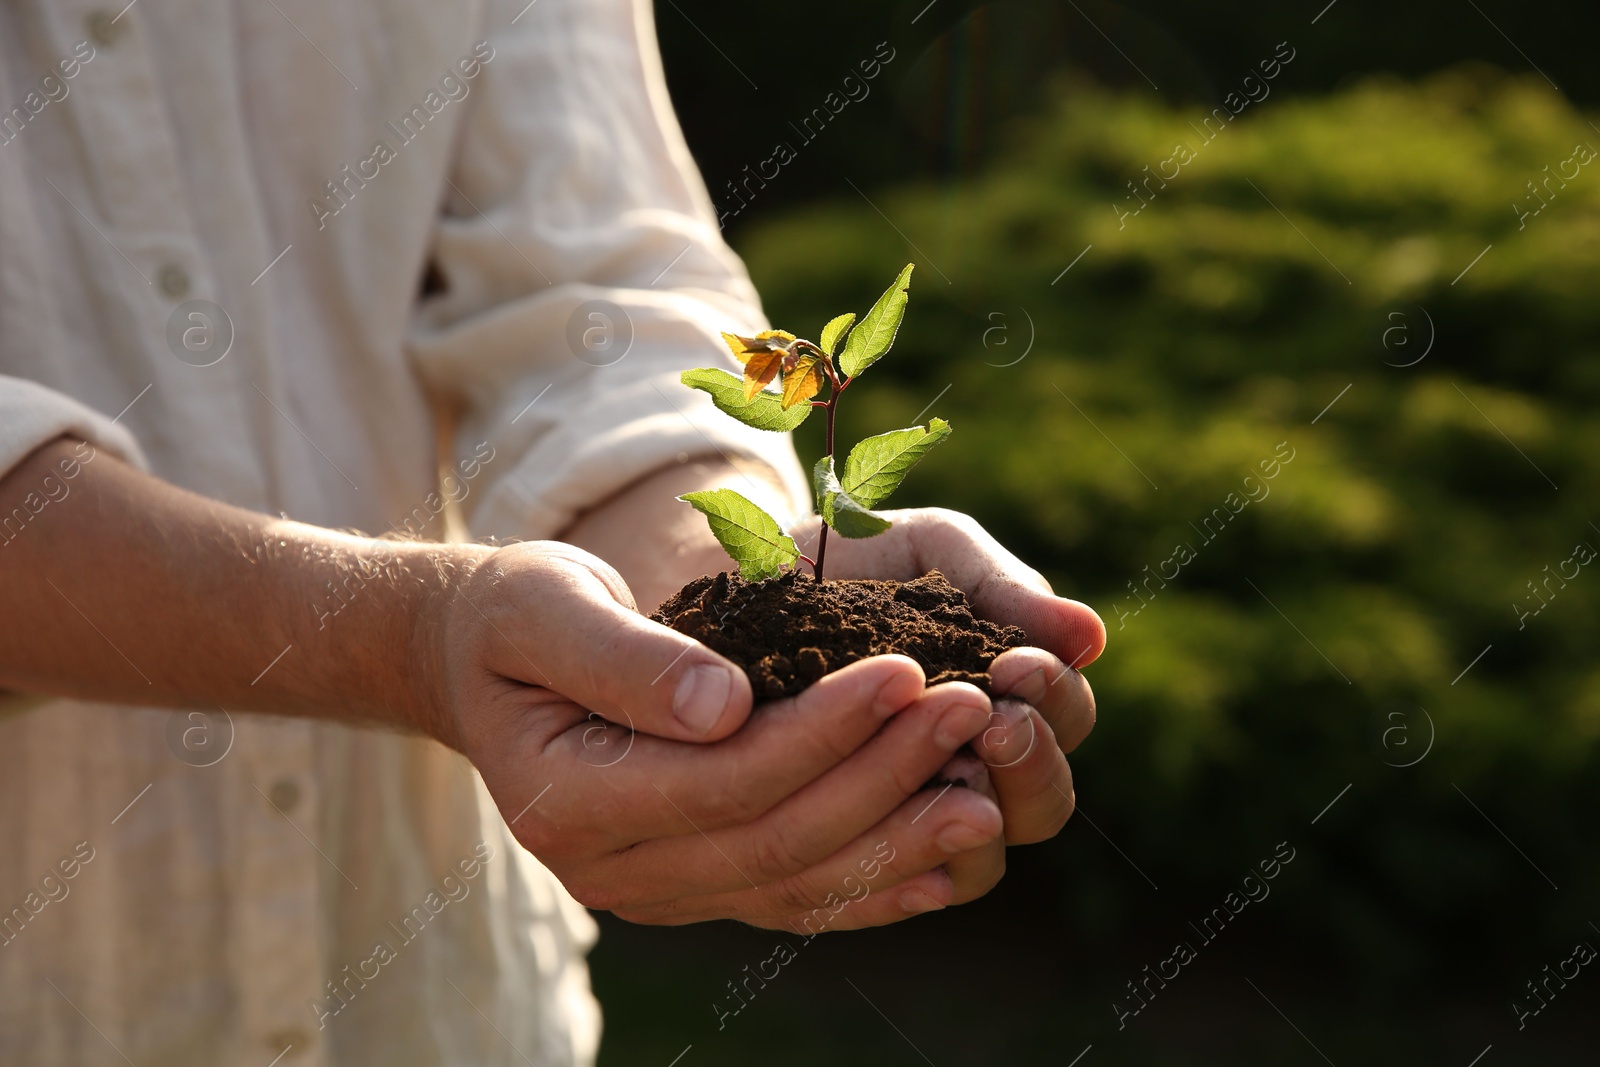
<point x="822" y="539"/>
<point x="834" y="389"/>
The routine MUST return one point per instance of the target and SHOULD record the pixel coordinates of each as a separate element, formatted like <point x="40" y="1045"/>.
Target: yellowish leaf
<point x="759" y="369"/>
<point x="803" y="382"/>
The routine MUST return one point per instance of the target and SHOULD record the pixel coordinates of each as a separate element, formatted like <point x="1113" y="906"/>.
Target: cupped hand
<point x="1047" y="707"/>
<point x="623" y="755"/>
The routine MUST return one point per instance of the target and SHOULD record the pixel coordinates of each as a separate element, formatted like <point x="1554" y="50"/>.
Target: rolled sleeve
<point x="32" y="416"/>
<point x="582" y="271"/>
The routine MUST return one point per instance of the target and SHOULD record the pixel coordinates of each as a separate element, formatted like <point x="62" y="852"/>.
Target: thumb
<point x="599" y="652"/>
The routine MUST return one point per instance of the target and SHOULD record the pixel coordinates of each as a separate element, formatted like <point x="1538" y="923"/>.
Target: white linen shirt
<point x="208" y="890"/>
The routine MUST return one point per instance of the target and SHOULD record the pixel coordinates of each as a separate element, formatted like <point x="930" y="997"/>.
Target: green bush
<point x="1302" y="256"/>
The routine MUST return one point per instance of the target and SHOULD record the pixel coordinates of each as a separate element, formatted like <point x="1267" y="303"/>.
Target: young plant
<point x="845" y="496"/>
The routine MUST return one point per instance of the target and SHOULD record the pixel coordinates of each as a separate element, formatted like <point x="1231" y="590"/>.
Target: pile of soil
<point x="789" y="631"/>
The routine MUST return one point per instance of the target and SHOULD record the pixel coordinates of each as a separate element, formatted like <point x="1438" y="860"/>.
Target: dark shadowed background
<point x="1372" y="274"/>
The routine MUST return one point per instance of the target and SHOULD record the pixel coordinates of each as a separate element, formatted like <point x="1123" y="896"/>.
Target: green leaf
<point x="871" y="340"/>
<point x="764" y="412"/>
<point x="835" y="330"/>
<point x="752" y="537"/>
<point x="839" y="509"/>
<point x="876" y="467"/>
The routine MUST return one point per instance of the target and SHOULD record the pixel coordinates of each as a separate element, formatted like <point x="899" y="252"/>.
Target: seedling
<point x="800" y="369"/>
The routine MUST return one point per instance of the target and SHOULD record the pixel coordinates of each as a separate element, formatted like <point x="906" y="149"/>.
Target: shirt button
<point x="282" y="1041"/>
<point x="174" y="281"/>
<point x="103" y="28"/>
<point x="284" y="794"/>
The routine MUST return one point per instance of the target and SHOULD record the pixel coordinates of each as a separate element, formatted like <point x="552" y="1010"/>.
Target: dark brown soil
<point x="789" y="631"/>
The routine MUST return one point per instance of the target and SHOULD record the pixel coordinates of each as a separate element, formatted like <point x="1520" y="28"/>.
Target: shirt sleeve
<point x="582" y="270"/>
<point x="32" y="416"/>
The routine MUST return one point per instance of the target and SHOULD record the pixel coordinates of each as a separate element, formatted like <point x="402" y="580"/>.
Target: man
<point x="215" y="221"/>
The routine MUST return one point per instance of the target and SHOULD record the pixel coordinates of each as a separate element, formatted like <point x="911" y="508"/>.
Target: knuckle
<point x="595" y="899"/>
<point x="1061" y="811"/>
<point x="1033" y="832"/>
<point x="595" y="895"/>
<point x="958" y="521"/>
<point x="792" y="896"/>
<point x="807" y="923"/>
<point x="749" y="790"/>
<point x="833" y="747"/>
<point x="731" y="806"/>
<point x="575" y="566"/>
<point x="947" y="530"/>
<point x="1052" y="805"/>
<point x="523" y="568"/>
<point x="776" y="853"/>
<point x="906" y="781"/>
<point x="813" y="750"/>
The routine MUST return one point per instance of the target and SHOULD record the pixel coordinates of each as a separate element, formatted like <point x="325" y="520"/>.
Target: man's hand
<point x="1050" y="708"/>
<point x="773" y="819"/>
<point x="1019" y="759"/>
<point x="701" y="811"/>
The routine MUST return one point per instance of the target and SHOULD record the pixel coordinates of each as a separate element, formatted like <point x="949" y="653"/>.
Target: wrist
<point x="446" y="571"/>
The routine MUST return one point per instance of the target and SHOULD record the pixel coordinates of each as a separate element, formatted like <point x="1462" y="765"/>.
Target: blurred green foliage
<point x="1300" y="260"/>
<point x="965" y="68"/>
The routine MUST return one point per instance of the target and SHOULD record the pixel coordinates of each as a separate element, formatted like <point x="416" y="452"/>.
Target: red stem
<point x="833" y="398"/>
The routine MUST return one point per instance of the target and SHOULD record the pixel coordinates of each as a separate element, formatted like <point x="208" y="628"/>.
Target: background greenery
<point x="1308" y="254"/>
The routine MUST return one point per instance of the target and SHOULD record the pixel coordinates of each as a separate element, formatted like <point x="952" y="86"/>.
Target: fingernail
<point x="959" y="837"/>
<point x="959" y="725"/>
<point x="1031" y="689"/>
<point x="917" y="901"/>
<point x="701" y="696"/>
